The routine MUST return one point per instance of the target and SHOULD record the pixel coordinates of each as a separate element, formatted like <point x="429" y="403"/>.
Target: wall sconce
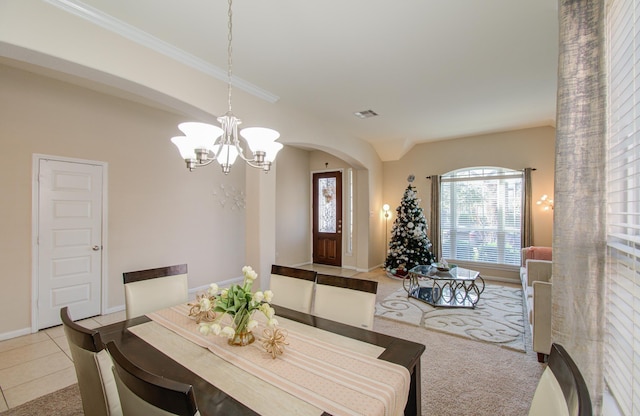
<point x="545" y="202"/>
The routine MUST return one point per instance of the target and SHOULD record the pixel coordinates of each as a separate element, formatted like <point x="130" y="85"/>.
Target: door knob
<point x="95" y="248"/>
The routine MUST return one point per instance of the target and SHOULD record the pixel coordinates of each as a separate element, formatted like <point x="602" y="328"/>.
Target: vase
<point x="242" y="338"/>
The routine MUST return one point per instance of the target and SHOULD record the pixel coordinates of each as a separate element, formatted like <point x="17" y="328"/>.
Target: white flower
<point x="204" y="329"/>
<point x="252" y="324"/>
<point x="262" y="307"/>
<point x="213" y="289"/>
<point x="228" y="332"/>
<point x="268" y="295"/>
<point x="272" y="322"/>
<point x="249" y="273"/>
<point x="269" y="311"/>
<point x="205" y="304"/>
<point x="258" y="296"/>
<point x="215" y="328"/>
<point x="224" y="293"/>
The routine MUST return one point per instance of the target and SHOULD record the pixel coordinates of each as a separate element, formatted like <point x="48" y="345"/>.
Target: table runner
<point x="313" y="368"/>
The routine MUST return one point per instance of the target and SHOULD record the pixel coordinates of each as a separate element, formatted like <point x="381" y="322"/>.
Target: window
<point x="622" y="310"/>
<point x="480" y="215"/>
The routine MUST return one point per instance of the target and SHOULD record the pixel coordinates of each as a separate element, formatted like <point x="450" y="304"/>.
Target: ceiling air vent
<point x="366" y="114"/>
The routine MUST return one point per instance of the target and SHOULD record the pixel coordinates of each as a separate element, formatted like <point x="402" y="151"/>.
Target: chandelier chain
<point x="229" y="54"/>
<point x="204" y="143"/>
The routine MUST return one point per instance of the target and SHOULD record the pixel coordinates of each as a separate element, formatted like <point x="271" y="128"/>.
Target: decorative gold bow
<point x="199" y="313"/>
<point x="274" y="341"/>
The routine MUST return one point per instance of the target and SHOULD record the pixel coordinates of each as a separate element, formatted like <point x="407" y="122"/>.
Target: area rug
<point x="498" y="318"/>
<point x="64" y="402"/>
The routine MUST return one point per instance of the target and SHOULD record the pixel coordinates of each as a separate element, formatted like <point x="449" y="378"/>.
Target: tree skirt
<point x="498" y="318"/>
<point x="401" y="275"/>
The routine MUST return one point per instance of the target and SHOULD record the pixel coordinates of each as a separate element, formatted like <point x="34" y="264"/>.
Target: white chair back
<point x="292" y="288"/>
<point x="548" y="398"/>
<point x="561" y="389"/>
<point x="153" y="289"/>
<point x="93" y="366"/>
<point x="347" y="300"/>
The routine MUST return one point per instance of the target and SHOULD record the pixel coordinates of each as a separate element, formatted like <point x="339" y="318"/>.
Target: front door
<point x="327" y="218"/>
<point x="69" y="240"/>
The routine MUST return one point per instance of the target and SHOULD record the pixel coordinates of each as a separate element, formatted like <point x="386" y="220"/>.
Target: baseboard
<point x="502" y="280"/>
<point x="326" y="265"/>
<point x="14" y="334"/>
<point x="225" y="283"/>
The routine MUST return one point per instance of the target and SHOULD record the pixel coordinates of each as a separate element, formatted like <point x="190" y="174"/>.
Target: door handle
<point x="95" y="248"/>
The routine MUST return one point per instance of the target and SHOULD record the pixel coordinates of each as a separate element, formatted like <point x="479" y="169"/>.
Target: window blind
<point x="622" y="340"/>
<point x="480" y="215"/>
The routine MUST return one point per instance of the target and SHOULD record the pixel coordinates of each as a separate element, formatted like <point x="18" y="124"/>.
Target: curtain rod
<point x="429" y="177"/>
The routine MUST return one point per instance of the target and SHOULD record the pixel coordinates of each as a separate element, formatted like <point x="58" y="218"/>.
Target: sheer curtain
<point x="527" y="225"/>
<point x="579" y="214"/>
<point x="435" y="217"/>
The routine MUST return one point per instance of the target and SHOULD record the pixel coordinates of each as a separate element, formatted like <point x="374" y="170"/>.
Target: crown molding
<point x="108" y="22"/>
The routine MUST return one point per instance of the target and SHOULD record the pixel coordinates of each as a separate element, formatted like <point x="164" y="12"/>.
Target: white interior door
<point x="69" y="240"/>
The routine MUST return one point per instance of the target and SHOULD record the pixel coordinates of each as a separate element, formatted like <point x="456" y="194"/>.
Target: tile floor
<point x="37" y="364"/>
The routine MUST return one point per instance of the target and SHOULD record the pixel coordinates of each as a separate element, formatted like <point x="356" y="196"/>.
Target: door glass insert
<point x="327" y="205"/>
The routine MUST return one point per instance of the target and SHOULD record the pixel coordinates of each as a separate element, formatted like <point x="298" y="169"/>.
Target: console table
<point x="454" y="288"/>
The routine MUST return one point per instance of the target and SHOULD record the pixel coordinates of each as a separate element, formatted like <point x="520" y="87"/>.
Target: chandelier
<point x="203" y="143"/>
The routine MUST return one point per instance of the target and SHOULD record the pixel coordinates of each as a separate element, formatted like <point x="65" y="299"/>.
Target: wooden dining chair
<point x="347" y="300"/>
<point x="561" y="389"/>
<point x="292" y="288"/>
<point x="145" y="394"/>
<point x="93" y="369"/>
<point x="153" y="289"/>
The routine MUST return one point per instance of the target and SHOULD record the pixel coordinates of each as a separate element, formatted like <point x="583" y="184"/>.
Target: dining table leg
<point x="414" y="401"/>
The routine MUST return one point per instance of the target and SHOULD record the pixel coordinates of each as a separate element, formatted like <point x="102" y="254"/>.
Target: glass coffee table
<point x="454" y="288"/>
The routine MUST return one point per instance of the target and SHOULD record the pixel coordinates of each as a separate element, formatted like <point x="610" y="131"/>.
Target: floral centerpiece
<point x="239" y="303"/>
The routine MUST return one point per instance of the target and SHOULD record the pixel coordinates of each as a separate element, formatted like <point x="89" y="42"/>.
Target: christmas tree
<point x="409" y="245"/>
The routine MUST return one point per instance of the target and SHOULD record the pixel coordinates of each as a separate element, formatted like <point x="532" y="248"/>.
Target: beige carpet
<point x="498" y="317"/>
<point x="64" y="402"/>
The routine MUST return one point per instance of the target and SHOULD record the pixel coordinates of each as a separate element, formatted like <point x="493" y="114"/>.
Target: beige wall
<point x="293" y="237"/>
<point x="515" y="150"/>
<point x="293" y="196"/>
<point x="159" y="213"/>
<point x="135" y="72"/>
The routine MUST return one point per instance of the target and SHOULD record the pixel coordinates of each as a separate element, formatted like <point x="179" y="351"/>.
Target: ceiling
<point x="431" y="69"/>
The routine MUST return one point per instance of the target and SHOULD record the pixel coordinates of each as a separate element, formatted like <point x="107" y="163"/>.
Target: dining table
<point x="215" y="398"/>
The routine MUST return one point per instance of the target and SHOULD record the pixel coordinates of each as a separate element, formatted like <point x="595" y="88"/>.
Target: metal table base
<point x="456" y="288"/>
